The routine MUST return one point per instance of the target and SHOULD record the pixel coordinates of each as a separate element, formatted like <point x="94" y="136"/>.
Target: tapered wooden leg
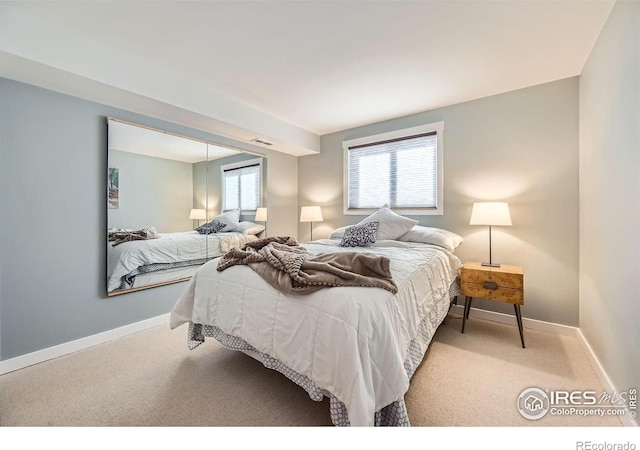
<point x="469" y="307"/>
<point x="519" y="319"/>
<point x="465" y="313"/>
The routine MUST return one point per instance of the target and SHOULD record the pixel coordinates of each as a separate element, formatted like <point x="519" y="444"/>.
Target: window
<point x="402" y="168"/>
<point x="242" y="185"/>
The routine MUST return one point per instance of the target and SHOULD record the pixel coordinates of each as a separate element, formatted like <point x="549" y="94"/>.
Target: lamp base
<point x="486" y="264"/>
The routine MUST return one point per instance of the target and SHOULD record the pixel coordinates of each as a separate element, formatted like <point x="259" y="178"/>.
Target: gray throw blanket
<point x="290" y="268"/>
<point x="121" y="235"/>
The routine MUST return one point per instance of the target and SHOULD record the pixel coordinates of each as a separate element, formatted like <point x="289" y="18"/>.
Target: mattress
<point x="351" y="342"/>
<point x="169" y="248"/>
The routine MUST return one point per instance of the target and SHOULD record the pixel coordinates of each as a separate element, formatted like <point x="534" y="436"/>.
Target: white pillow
<point x="230" y="218"/>
<point x="246" y="227"/>
<point x="338" y="233"/>
<point x="435" y="236"/>
<point x="390" y="224"/>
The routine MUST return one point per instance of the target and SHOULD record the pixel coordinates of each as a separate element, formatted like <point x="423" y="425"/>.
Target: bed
<point x="359" y="346"/>
<point x="171" y="256"/>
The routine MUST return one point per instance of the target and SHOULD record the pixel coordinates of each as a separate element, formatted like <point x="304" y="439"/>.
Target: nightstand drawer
<point x="500" y="279"/>
<point x="502" y="284"/>
<point x="492" y="291"/>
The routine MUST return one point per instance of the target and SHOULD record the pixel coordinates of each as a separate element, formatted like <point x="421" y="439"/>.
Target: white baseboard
<point x="601" y="373"/>
<point x="556" y="328"/>
<point x="46" y="354"/>
<point x="510" y="319"/>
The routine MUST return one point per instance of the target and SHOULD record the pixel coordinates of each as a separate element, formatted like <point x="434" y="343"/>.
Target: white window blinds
<point x="242" y="188"/>
<point x="402" y="172"/>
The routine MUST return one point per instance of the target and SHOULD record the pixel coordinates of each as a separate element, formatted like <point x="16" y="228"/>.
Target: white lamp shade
<point x="198" y="214"/>
<point x="490" y="213"/>
<point x="261" y="214"/>
<point x="311" y="214"/>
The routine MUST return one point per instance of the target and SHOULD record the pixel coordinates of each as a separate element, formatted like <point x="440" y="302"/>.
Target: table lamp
<point x="261" y="216"/>
<point x="198" y="214"/>
<point x="491" y="214"/>
<point x="311" y="214"/>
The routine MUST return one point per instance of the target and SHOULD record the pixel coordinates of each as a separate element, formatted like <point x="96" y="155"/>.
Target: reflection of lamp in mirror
<point x="490" y="213"/>
<point x="261" y="216"/>
<point x="311" y="214"/>
<point x="198" y="214"/>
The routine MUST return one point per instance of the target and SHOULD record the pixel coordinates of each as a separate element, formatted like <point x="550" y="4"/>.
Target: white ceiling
<point x="159" y="144"/>
<point x="313" y="66"/>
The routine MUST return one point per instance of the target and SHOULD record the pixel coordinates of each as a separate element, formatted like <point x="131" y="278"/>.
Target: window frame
<point x="240" y="165"/>
<point x="438" y="128"/>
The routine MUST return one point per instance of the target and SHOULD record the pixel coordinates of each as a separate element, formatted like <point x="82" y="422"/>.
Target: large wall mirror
<point x="174" y="203"/>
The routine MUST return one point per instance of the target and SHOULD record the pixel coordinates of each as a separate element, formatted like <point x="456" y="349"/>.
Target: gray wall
<point x="282" y="195"/>
<point x="610" y="196"/>
<point x="53" y="165"/>
<point x="520" y="147"/>
<point x="154" y="192"/>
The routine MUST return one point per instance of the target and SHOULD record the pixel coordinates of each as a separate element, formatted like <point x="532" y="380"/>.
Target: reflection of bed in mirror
<point x="167" y="257"/>
<point x="156" y="180"/>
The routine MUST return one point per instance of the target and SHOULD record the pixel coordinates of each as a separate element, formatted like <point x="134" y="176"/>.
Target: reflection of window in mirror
<point x="241" y="185"/>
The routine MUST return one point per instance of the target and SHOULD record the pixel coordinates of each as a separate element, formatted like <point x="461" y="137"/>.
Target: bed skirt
<point x="394" y="414"/>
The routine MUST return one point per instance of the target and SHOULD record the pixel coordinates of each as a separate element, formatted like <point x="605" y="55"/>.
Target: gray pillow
<point x="391" y="224"/>
<point x="230" y="218"/>
<point x="360" y="235"/>
<point x="215" y="226"/>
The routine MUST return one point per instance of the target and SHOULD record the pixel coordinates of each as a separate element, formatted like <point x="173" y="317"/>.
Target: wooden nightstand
<point x="501" y="284"/>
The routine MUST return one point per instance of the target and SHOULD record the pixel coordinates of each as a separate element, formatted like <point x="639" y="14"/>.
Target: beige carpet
<point x="152" y="379"/>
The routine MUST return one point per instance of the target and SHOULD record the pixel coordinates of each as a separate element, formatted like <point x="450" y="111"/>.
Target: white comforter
<point x="168" y="248"/>
<point x="351" y="341"/>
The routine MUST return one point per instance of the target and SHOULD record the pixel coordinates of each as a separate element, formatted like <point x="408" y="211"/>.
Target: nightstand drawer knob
<point x="487" y="285"/>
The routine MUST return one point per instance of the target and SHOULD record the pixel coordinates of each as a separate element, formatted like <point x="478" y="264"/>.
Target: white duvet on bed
<point x="351" y="341"/>
<point x="168" y="248"/>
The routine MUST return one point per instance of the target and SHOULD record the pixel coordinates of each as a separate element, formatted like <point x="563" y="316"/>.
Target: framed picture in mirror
<point x="113" y="181"/>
